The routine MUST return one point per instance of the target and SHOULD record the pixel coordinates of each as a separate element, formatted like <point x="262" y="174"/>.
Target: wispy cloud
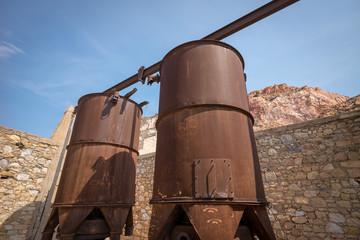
<point x="54" y="93"/>
<point x="8" y="49"/>
<point x="96" y="45"/>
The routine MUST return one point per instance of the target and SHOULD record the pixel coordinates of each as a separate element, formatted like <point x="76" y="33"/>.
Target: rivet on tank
<point x="207" y="180"/>
<point x="96" y="191"/>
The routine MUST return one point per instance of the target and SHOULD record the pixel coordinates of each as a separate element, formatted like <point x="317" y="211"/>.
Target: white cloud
<point x="8" y="49"/>
<point x="54" y="93"/>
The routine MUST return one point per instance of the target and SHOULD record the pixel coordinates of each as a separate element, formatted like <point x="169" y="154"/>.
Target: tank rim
<point x="203" y="41"/>
<point x="108" y="95"/>
<point x="205" y="105"/>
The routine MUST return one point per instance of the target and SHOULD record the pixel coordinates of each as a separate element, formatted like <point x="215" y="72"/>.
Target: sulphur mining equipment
<point x="207" y="180"/>
<point x="96" y="191"/>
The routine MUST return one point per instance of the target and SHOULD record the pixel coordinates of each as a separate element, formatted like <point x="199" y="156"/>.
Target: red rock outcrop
<point x="281" y="105"/>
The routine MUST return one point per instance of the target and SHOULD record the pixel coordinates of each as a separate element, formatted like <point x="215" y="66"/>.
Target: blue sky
<point x="54" y="51"/>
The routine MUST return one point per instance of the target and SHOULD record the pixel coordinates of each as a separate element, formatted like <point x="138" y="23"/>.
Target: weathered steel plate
<point x="213" y="178"/>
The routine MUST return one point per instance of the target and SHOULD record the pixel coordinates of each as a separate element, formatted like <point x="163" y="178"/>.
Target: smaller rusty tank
<point x="97" y="186"/>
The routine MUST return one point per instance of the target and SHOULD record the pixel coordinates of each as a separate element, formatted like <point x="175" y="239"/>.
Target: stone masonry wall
<point x="311" y="174"/>
<point x="24" y="163"/>
<point x="142" y="208"/>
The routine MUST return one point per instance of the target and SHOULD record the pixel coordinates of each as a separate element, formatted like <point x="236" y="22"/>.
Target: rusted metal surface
<point x="204" y="105"/>
<point x="213" y="179"/>
<point x="239" y="24"/>
<point x="206" y="160"/>
<point x="97" y="187"/>
<point x="214" y="221"/>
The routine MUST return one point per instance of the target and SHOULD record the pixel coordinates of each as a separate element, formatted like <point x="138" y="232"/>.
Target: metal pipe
<point x="241" y="23"/>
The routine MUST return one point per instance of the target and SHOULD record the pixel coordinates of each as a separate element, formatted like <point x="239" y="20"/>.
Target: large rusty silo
<point x="207" y="181"/>
<point x="97" y="186"/>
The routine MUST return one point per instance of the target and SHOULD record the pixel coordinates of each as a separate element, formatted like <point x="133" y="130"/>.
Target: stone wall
<point x="311" y="173"/>
<point x="142" y="208"/>
<point x="25" y="160"/>
<point x="30" y="167"/>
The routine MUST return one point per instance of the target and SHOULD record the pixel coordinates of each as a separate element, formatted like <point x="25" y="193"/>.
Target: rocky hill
<point x="352" y="104"/>
<point x="281" y="105"/>
<point x="275" y="106"/>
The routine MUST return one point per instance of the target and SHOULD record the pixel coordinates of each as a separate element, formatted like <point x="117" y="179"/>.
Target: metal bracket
<point x="129" y="94"/>
<point x="140" y="76"/>
<point x="213" y="178"/>
<point x="153" y="78"/>
<point x="115" y="97"/>
<point x="143" y="103"/>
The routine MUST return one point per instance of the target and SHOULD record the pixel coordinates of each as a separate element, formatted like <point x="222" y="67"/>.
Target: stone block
<point x="328" y="131"/>
<point x="286" y="138"/>
<point x="270" y="177"/>
<point x="338" y="173"/>
<point x="22" y="177"/>
<point x="26" y="152"/>
<point x="318" y="202"/>
<point x="320" y="214"/>
<point x="300" y="135"/>
<point x="344" y="204"/>
<point x="272" y="151"/>
<point x="312" y="175"/>
<point x="300" y="176"/>
<point x="301" y="200"/>
<point x="341" y="156"/>
<point x="299" y="219"/>
<point x="353" y="222"/>
<point x="352" y="230"/>
<point x="322" y="158"/>
<point x="350" y="164"/>
<point x="333" y="228"/>
<point x="353" y="155"/>
<point x="328" y="167"/>
<point x="354" y="173"/>
<point x="289" y="225"/>
<point x="343" y="144"/>
<point x="336" y="218"/>
<point x="324" y="175"/>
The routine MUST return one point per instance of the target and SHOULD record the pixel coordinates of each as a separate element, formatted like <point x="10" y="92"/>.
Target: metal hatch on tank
<point x="207" y="180"/>
<point x="97" y="186"/>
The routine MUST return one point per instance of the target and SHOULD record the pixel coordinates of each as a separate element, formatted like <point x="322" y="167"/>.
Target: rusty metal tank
<point x="97" y="186"/>
<point x="207" y="174"/>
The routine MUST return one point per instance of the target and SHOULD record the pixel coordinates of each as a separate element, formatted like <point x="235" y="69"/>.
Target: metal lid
<point x="90" y="95"/>
<point x="203" y="42"/>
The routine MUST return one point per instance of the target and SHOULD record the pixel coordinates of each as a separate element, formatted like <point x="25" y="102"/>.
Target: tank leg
<point x="184" y="233"/>
<point x="67" y="236"/>
<point x="53" y="221"/>
<point x="213" y="222"/>
<point x="243" y="233"/>
<point x="129" y="225"/>
<point x="259" y="222"/>
<point x="70" y="219"/>
<point x="115" y="235"/>
<point x="47" y="235"/>
<point x="115" y="218"/>
<point x="163" y="219"/>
